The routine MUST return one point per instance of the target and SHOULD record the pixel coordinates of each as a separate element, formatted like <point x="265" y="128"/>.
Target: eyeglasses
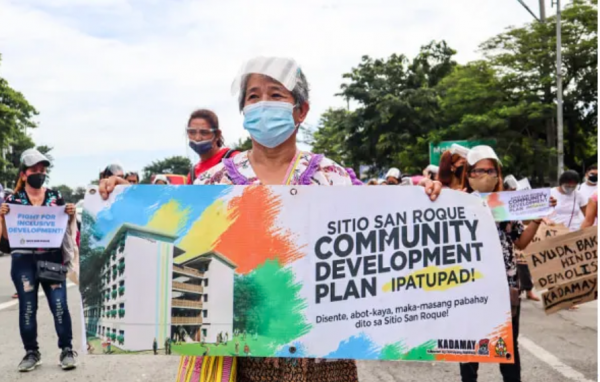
<point x="202" y="132"/>
<point x="476" y="173"/>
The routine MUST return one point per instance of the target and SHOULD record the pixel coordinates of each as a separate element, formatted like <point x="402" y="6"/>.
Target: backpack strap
<point x="229" y="153"/>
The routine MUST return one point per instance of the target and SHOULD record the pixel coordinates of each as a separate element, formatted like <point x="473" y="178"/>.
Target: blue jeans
<point x="23" y="273"/>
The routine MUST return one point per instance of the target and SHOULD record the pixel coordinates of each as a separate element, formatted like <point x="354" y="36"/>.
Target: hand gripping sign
<point x="314" y="272"/>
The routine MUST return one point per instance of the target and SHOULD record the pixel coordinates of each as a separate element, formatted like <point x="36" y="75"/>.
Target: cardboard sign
<point x="519" y="205"/>
<point x="566" y="295"/>
<point x="311" y="272"/>
<point x="36" y="227"/>
<point x="544" y="232"/>
<point x="563" y="259"/>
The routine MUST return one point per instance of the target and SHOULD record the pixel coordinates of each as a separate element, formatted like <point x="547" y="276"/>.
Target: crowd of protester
<point x="273" y="96"/>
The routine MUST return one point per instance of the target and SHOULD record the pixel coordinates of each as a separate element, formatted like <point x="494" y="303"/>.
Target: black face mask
<point x="593" y="178"/>
<point x="36" y="180"/>
<point x="459" y="172"/>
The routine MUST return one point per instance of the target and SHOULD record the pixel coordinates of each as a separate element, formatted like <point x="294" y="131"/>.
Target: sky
<point x="116" y="80"/>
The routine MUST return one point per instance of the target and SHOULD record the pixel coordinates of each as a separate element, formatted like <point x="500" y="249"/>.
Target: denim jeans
<point x="23" y="273"/>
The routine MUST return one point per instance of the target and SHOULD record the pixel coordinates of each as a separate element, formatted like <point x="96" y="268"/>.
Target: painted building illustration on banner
<point x="273" y="272"/>
<point x="144" y="296"/>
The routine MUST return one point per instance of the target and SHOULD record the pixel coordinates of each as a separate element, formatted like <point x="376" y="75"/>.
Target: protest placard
<point x="564" y="258"/>
<point x="523" y="185"/>
<point x="566" y="295"/>
<point x="36" y="227"/>
<point x="314" y="272"/>
<point x="519" y="205"/>
<point x="544" y="232"/>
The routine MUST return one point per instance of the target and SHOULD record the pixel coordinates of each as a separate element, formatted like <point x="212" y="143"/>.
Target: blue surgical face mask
<point x="201" y="147"/>
<point x="270" y="123"/>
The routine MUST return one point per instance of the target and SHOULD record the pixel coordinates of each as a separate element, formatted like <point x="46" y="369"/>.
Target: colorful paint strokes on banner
<point x="519" y="205"/>
<point x="307" y="272"/>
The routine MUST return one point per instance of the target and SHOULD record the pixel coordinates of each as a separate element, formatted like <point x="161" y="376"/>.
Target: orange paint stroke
<point x="494" y="200"/>
<point x="253" y="237"/>
<point x="503" y="331"/>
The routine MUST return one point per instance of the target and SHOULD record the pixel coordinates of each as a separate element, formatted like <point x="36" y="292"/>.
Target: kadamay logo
<point x="456" y="344"/>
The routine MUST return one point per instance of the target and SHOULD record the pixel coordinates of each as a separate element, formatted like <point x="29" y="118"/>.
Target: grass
<point x="258" y="347"/>
<point x="114" y="349"/>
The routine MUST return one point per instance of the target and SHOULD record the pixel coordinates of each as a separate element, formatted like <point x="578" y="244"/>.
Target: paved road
<point x="561" y="347"/>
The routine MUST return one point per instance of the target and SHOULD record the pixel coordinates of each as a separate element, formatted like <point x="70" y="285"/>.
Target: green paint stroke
<point x="397" y="352"/>
<point x="420" y="353"/>
<point x="267" y="301"/>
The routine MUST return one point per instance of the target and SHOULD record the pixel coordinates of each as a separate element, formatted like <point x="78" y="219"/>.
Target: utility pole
<point x="559" y="93"/>
<point x="542" y="11"/>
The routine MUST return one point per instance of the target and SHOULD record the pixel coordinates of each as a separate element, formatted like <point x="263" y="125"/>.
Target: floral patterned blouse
<point x="510" y="232"/>
<point x="305" y="169"/>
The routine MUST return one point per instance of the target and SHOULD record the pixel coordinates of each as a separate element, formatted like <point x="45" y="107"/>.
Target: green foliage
<point x="243" y="144"/>
<point x="510" y="96"/>
<point x="70" y="195"/>
<point x="16" y="116"/>
<point x="177" y="165"/>
<point x="267" y="301"/>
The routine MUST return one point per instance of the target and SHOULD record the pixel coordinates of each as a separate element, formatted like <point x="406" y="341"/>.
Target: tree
<point x="70" y="195"/>
<point x="243" y="144"/>
<point x="173" y="165"/>
<point x="524" y="59"/>
<point x="397" y="108"/>
<point x="16" y="116"/>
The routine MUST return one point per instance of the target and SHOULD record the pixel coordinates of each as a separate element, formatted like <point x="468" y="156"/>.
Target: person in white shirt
<point x="587" y="188"/>
<point x="570" y="206"/>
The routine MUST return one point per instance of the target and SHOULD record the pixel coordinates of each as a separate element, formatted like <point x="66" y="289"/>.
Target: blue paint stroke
<point x="137" y="204"/>
<point x="357" y="347"/>
<point x="300" y="351"/>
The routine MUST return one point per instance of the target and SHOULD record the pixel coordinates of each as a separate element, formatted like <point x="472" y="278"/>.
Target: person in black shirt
<point x="30" y="191"/>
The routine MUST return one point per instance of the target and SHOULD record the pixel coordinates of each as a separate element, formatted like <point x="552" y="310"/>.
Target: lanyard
<point x="293" y="166"/>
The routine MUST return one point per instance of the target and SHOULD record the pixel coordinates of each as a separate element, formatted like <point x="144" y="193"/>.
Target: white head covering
<point x="394" y="173"/>
<point x="160" y="177"/>
<point x="460" y="150"/>
<point x="283" y="70"/>
<point x="478" y="153"/>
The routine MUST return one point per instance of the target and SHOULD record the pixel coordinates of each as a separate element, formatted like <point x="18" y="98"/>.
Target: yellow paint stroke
<point x="169" y="218"/>
<point x="387" y="287"/>
<point x="205" y="231"/>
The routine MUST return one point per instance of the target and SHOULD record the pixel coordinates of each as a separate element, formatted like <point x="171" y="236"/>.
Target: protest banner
<point x="564" y="258"/>
<point x="544" y="232"/>
<point x="519" y="205"/>
<point x="36" y="227"/>
<point x="523" y="185"/>
<point x="566" y="295"/>
<point x="312" y="272"/>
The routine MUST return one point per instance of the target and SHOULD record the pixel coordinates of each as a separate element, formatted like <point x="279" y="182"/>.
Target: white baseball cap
<point x="478" y="153"/>
<point x="282" y="69"/>
<point x="393" y="173"/>
<point x="460" y="150"/>
<point x="31" y="157"/>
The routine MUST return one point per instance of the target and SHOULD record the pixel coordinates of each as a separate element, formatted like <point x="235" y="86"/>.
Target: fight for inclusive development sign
<point x="36" y="227"/>
<point x="313" y="272"/>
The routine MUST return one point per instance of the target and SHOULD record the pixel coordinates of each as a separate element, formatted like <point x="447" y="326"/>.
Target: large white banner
<point x="326" y="272"/>
<point x="36" y="227"/>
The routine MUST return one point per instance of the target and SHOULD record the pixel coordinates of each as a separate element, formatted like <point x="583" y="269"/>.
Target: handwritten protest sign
<point x="36" y="227"/>
<point x="314" y="272"/>
<point x="519" y="205"/>
<point x="545" y="231"/>
<point x="566" y="295"/>
<point x="564" y="258"/>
